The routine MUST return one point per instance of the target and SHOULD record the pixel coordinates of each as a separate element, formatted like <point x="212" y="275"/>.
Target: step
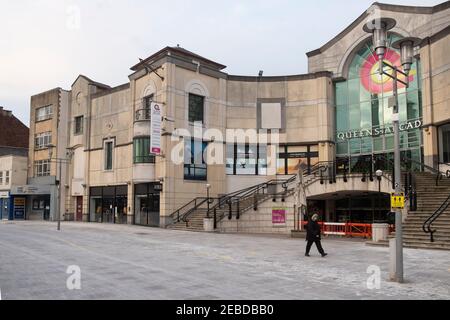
<point x="419" y="245"/>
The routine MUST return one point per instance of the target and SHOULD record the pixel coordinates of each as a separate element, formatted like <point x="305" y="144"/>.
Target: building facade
<point x="13" y="164"/>
<point x="338" y="111"/>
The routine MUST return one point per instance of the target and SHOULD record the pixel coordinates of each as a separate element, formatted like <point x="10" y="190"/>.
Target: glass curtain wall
<point x="363" y="115"/>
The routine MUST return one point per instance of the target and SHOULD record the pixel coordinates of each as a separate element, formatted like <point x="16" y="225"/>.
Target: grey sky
<point x="43" y="45"/>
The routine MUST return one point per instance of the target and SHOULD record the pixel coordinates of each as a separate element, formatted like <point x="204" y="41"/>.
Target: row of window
<point x="44" y="113"/>
<point x="195" y="110"/>
<point x="241" y="159"/>
<point x="42" y="140"/>
<point x="42" y="168"/>
<point x="6" y="175"/>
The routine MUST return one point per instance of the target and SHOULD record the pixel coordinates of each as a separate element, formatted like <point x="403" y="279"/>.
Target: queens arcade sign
<point x="413" y="124"/>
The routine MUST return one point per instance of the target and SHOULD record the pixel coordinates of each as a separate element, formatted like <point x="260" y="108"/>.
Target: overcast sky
<point x="46" y="43"/>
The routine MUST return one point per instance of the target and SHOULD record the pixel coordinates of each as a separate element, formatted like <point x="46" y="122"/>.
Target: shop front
<point x="352" y="207"/>
<point x="108" y="204"/>
<point x="146" y="204"/>
<point x="34" y="202"/>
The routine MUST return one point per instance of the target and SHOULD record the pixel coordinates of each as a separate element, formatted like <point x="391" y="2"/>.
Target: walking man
<point x="313" y="235"/>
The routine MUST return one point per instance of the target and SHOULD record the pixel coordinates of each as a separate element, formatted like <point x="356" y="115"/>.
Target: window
<point x="44" y="113"/>
<point x="194" y="163"/>
<point x="148" y="101"/>
<point x="291" y="158"/>
<point x="196" y="104"/>
<point x="141" y="151"/>
<point x="1" y="177"/>
<point x="42" y="140"/>
<point x="78" y="127"/>
<point x="108" y="155"/>
<point x="250" y="159"/>
<point x="42" y="168"/>
<point x="7" y="177"/>
<point x="362" y="104"/>
<point x="445" y="143"/>
<point x="144" y="113"/>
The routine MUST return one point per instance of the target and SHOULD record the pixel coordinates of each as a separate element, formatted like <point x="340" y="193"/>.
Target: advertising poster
<point x="278" y="215"/>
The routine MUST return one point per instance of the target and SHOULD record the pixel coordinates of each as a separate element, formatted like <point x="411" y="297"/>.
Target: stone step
<point x="414" y="245"/>
<point x="443" y="228"/>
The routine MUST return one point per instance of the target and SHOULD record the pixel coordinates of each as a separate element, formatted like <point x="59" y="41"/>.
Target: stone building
<point x="337" y="112"/>
<point x="13" y="162"/>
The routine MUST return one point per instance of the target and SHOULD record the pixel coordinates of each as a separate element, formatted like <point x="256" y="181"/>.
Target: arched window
<point x="363" y="113"/>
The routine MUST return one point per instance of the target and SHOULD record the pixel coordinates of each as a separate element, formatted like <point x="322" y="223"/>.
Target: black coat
<point x="312" y="231"/>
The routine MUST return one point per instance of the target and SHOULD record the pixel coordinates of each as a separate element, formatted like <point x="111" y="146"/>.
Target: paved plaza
<point x="131" y="262"/>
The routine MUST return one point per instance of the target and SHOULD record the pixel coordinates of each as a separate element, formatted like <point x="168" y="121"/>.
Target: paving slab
<point x="133" y="262"/>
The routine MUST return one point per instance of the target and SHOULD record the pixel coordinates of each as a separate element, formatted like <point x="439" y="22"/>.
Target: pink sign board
<point x="278" y="215"/>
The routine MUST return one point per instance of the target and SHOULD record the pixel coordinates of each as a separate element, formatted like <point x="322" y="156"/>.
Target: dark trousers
<point x="318" y="245"/>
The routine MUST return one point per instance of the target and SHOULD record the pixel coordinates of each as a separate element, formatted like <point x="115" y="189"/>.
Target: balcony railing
<point x="142" y="115"/>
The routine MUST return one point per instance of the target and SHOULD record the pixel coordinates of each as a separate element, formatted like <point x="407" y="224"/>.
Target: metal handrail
<point x="426" y="227"/>
<point x="439" y="174"/>
<point x="251" y="192"/>
<point x="143" y="114"/>
<point x="181" y="216"/>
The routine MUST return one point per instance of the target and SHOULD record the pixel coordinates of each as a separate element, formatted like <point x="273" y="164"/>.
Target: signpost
<point x="155" y="128"/>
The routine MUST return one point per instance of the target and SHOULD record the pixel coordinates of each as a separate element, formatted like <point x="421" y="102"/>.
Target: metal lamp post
<point x="379" y="174"/>
<point x="379" y="28"/>
<point x="58" y="161"/>
<point x="208" y="186"/>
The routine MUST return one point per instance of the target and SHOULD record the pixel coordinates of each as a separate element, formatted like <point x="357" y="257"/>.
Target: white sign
<point x="4" y="194"/>
<point x="155" y="128"/>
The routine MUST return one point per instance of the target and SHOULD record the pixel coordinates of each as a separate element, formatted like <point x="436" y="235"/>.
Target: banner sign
<point x="362" y="133"/>
<point x="155" y="129"/>
<point x="278" y="215"/>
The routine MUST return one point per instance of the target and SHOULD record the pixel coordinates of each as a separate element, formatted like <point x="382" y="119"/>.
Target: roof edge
<point x="384" y="6"/>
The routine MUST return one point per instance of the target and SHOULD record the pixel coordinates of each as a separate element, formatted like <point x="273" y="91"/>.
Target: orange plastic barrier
<point x="345" y="229"/>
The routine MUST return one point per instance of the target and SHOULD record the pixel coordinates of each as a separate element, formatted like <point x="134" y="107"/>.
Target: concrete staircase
<point x="429" y="199"/>
<point x="195" y="220"/>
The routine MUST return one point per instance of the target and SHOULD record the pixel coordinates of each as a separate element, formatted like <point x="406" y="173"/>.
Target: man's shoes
<point x="324" y="254"/>
<point x="306" y="254"/>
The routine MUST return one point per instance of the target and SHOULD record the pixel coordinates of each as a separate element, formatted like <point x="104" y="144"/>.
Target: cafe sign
<point x="363" y="133"/>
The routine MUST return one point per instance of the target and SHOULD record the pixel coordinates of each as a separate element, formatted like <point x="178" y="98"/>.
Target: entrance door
<point x="120" y="214"/>
<point x="4" y="209"/>
<point x="79" y="209"/>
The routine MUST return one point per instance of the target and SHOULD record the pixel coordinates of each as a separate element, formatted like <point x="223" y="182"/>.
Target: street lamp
<point x="60" y="161"/>
<point x="379" y="174"/>
<point x="379" y="28"/>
